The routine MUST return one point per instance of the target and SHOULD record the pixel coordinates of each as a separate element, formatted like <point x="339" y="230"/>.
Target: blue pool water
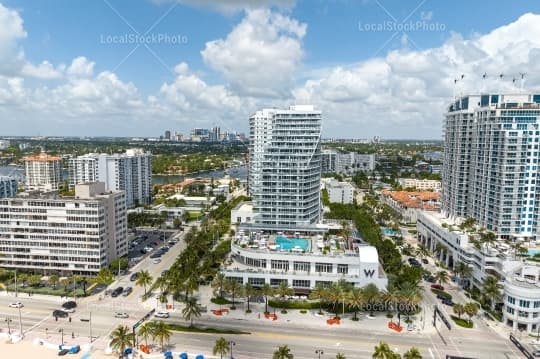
<point x="389" y="232"/>
<point x="532" y="252"/>
<point x="289" y="243"/>
<point x="86" y="356"/>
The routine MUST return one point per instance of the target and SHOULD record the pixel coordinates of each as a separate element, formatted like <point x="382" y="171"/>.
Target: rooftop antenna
<point x="483" y="89"/>
<point x="500" y="82"/>
<point x="522" y="81"/>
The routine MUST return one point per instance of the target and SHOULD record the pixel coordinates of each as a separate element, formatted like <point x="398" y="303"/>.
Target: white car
<point x="162" y="314"/>
<point x="68" y="310"/>
<point x="16" y="305"/>
<point x="156" y="260"/>
<point x="121" y="315"/>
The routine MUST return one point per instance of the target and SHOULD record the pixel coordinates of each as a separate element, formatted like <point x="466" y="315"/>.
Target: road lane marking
<point x="37" y="324"/>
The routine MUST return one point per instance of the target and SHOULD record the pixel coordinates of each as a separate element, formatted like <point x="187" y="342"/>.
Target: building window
<point x="524" y="303"/>
<point x="323" y="267"/>
<point x="343" y="268"/>
<point x="523" y="314"/>
<point x="278" y="264"/>
<point x="256" y="282"/>
<point x="323" y="283"/>
<point x="300" y="283"/>
<point x="302" y="266"/>
<point x="511" y="300"/>
<point x="277" y="281"/>
<point x="537" y="304"/>
<point x="510" y="310"/>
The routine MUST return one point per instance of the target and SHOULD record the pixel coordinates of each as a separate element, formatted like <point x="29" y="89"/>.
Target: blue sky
<point x="234" y="59"/>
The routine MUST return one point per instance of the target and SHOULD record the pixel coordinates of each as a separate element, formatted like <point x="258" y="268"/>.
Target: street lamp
<point x="231" y="345"/>
<point x="8" y="320"/>
<point x="319" y="352"/>
<point x="61" y="330"/>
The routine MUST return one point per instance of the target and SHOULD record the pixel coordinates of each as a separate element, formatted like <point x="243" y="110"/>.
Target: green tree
<point x="355" y="300"/>
<point x="412" y="353"/>
<point x="121" y="338"/>
<point x="146" y="331"/>
<point x="491" y="291"/>
<point x="233" y="288"/>
<point x="283" y="352"/>
<point x="458" y="309"/>
<point x="162" y="332"/>
<point x="191" y="310"/>
<point x="144" y="279"/>
<point x="383" y="351"/>
<point x="318" y="293"/>
<point x="53" y="280"/>
<point x="221" y="347"/>
<point x="371" y="294"/>
<point x="118" y="264"/>
<point x="471" y="309"/>
<point x="441" y="277"/>
<point x="340" y="356"/>
<point x="104" y="276"/>
<point x="284" y="291"/>
<point x="267" y="291"/>
<point x="249" y="291"/>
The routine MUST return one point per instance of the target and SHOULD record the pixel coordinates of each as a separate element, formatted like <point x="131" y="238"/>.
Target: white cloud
<point x="11" y="31"/>
<point x="261" y="54"/>
<point x="45" y="70"/>
<point x="81" y="67"/>
<point x="405" y="93"/>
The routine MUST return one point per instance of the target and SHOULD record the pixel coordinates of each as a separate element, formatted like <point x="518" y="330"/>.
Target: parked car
<point x="70" y="304"/>
<point x="117" y="292"/>
<point x="437" y="286"/>
<point x="448" y="301"/>
<point x="536" y="353"/>
<point x="430" y="279"/>
<point x="156" y="260"/>
<point x="162" y="314"/>
<point x="134" y="277"/>
<point x="121" y="315"/>
<point x="425" y="261"/>
<point x="60" y="313"/>
<point x="16" y="305"/>
<point x="63" y="352"/>
<point x="127" y="291"/>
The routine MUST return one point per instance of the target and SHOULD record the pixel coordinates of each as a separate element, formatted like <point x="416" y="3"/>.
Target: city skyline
<point x="138" y="70"/>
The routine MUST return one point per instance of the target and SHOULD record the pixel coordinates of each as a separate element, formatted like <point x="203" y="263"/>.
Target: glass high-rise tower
<point x="285" y="167"/>
<point x="490" y="167"/>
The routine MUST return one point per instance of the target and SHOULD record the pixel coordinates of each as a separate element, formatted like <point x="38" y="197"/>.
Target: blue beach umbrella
<point x="200" y="356"/>
<point x="183" y="356"/>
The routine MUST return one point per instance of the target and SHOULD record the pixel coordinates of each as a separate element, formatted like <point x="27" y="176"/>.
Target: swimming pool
<point x="289" y="243"/>
<point x="389" y="232"/>
<point x="533" y="251"/>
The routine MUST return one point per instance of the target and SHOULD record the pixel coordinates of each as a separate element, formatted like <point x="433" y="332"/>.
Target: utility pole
<point x="20" y="322"/>
<point x="90" y="328"/>
<point x="16" y="289"/>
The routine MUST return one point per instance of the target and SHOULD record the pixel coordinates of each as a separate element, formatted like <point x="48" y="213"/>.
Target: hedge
<point x="442" y="293"/>
<point x="461" y="322"/>
<point x="293" y="305"/>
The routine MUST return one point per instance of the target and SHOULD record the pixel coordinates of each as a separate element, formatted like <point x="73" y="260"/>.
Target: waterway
<point x="236" y="172"/>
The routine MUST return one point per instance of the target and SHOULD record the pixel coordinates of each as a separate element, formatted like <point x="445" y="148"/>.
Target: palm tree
<point x="340" y="356"/>
<point x="144" y="279"/>
<point x="410" y="295"/>
<point x="218" y="284"/>
<point x="383" y="351"/>
<point x="64" y="282"/>
<point x="249" y="291"/>
<point x="162" y="332"/>
<point x="335" y="295"/>
<point x="267" y="291"/>
<point x="233" y="287"/>
<point x="490" y="290"/>
<point x="283" y="352"/>
<point x="221" y="347"/>
<point x="53" y="280"/>
<point x="318" y="293"/>
<point x="458" y="309"/>
<point x="355" y="300"/>
<point x="284" y="291"/>
<point x="471" y="309"/>
<point x="371" y="293"/>
<point x="146" y="331"/>
<point x="412" y="353"/>
<point x="465" y="272"/>
<point x="488" y="238"/>
<point x="191" y="310"/>
<point x="441" y="277"/>
<point x="122" y="338"/>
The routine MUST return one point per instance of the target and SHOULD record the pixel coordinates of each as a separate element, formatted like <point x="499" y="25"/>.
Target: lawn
<point x="196" y="329"/>
<point x="462" y="322"/>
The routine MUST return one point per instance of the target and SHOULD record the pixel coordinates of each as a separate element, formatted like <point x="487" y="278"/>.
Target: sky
<point x="374" y="67"/>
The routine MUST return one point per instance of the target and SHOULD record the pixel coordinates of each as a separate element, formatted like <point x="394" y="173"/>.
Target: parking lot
<point x="146" y="239"/>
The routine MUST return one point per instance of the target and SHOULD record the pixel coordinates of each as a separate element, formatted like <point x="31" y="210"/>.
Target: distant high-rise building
<point x="130" y="171"/>
<point x="4" y="144"/>
<point x="43" y="172"/>
<point x="8" y="186"/>
<point x="490" y="166"/>
<point x="167" y="135"/>
<point x="285" y="167"/>
<point x="68" y="236"/>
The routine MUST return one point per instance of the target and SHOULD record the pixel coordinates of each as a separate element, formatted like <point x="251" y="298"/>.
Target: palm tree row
<point x="471" y="309"/>
<point x="122" y="337"/>
<point x="383" y="351"/>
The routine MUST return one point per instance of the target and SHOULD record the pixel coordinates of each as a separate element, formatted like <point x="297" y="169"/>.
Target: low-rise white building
<point x="338" y="192"/>
<point x="420" y="184"/>
<point x="521" y="309"/>
<point x="242" y="213"/>
<point x="73" y="235"/>
<point x="4" y="144"/>
<point x="195" y="201"/>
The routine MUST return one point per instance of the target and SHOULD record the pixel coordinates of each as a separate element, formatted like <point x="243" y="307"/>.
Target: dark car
<point x="142" y="251"/>
<point x="155" y="255"/>
<point x="425" y="261"/>
<point x="63" y="352"/>
<point x="134" y="277"/>
<point x="60" y="314"/>
<point x="69" y="305"/>
<point x="117" y="292"/>
<point x="437" y="286"/>
<point x="448" y="301"/>
<point x="127" y="291"/>
<point x="430" y="279"/>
